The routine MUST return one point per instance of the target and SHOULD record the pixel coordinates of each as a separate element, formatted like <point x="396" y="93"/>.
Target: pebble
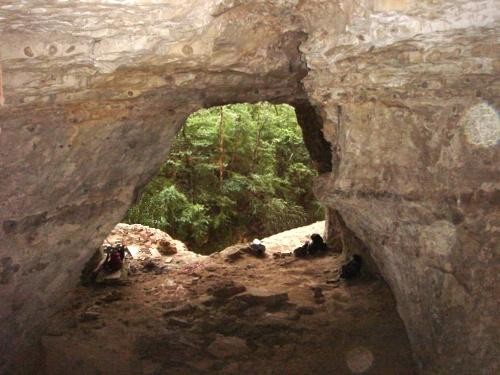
<point x="306" y="310"/>
<point x="228" y="346"/>
<point x="255" y="296"/>
<point x="179" y="322"/>
<point x="89" y="316"/>
<point x="180" y="310"/>
<point x="112" y="297"/>
<point x="226" y="289"/>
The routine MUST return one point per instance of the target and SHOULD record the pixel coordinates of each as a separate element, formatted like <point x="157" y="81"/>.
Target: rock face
<point x="400" y="106"/>
<point x="398" y="100"/>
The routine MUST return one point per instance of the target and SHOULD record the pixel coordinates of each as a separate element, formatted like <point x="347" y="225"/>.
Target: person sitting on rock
<point x="317" y="244"/>
<point x="301" y="251"/>
<point x="113" y="260"/>
<point x="313" y="247"/>
<point x="352" y="268"/>
<point x="114" y="257"/>
<point x="122" y="249"/>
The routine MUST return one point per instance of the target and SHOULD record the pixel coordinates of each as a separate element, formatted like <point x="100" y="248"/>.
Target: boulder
<point x="263" y="297"/>
<point x="226" y="289"/>
<point x="228" y="346"/>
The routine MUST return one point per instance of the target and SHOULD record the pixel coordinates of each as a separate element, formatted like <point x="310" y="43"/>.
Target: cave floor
<point x="205" y="315"/>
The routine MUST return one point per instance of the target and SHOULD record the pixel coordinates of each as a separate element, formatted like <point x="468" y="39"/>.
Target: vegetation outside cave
<point x="234" y="172"/>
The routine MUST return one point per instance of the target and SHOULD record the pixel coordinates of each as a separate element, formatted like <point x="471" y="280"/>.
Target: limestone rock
<point x="274" y="322"/>
<point x="180" y="310"/>
<point x="226" y="289"/>
<point x="234" y="253"/>
<point x="178" y="322"/>
<point x="149" y="241"/>
<point x="166" y="248"/>
<point x="306" y="310"/>
<point x="112" y="297"/>
<point x="228" y="346"/>
<point x="89" y="316"/>
<point x="263" y="297"/>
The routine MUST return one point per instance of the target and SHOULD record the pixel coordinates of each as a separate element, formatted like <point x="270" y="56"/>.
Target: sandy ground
<point x="188" y="314"/>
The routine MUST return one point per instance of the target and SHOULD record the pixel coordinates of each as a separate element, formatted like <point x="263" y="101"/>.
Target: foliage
<point x="234" y="172"/>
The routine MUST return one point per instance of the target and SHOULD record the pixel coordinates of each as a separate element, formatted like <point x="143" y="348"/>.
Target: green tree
<point x="238" y="171"/>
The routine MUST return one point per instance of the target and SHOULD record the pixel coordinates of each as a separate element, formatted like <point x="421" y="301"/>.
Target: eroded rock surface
<point x="413" y="119"/>
<point x="144" y="238"/>
<point x="406" y="94"/>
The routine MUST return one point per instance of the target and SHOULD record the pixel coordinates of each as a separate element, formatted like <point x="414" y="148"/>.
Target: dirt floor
<point x="231" y="313"/>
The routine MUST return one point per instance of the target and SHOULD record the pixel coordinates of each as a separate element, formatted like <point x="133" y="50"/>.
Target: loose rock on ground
<point x="253" y="316"/>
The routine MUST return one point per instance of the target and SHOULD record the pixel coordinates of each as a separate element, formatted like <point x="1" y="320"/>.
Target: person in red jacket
<point x="114" y="257"/>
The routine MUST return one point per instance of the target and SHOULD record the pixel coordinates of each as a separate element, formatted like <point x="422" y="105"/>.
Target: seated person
<point x="313" y="247"/>
<point x="114" y="257"/>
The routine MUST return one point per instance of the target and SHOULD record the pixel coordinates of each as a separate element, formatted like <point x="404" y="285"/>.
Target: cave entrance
<point x="234" y="312"/>
<point x="234" y="173"/>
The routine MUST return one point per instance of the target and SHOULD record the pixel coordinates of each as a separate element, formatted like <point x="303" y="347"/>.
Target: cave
<point x="404" y="100"/>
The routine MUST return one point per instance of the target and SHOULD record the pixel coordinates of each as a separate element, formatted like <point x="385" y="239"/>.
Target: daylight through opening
<point x="234" y="173"/>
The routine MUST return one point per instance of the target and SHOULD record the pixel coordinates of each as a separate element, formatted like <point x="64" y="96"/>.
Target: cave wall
<point x="406" y="91"/>
<point x="410" y="102"/>
<point x="94" y="94"/>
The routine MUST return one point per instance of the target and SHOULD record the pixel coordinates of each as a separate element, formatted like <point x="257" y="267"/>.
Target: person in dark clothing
<point x="301" y="251"/>
<point x="315" y="246"/>
<point x="352" y="268"/>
